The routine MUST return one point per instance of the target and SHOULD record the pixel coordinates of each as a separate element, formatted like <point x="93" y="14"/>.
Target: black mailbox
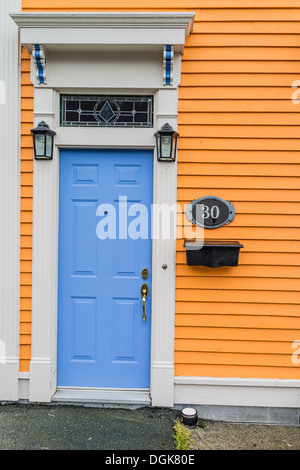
<point x="212" y="253"/>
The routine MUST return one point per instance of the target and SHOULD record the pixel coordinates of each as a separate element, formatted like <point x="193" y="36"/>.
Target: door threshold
<point x="102" y="396"/>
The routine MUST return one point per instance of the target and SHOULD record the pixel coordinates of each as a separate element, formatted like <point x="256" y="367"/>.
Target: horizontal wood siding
<point x="239" y="140"/>
<point x="26" y="211"/>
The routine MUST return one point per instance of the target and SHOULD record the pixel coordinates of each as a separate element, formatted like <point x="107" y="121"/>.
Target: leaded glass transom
<point x="106" y="111"/>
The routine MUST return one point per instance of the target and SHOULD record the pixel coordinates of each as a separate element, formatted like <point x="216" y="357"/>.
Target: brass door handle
<point x="144" y="293"/>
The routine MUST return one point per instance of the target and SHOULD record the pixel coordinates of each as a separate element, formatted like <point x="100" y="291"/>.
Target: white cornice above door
<point x="104" y="28"/>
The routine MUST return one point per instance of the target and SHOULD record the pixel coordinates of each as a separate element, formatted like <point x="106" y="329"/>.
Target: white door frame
<point x="80" y="48"/>
<point x="45" y="245"/>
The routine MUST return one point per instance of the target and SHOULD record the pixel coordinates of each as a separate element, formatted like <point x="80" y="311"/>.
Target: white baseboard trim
<point x="40" y="382"/>
<point x="23" y="385"/>
<point x="250" y="392"/>
<point x="162" y="384"/>
<point x="9" y="369"/>
<point x="100" y="396"/>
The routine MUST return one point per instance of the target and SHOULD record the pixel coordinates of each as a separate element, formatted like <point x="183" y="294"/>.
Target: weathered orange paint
<point x="239" y="140"/>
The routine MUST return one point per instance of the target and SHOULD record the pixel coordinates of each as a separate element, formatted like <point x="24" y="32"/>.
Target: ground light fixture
<point x="189" y="417"/>
<point x="43" y="138"/>
<point x="166" y="142"/>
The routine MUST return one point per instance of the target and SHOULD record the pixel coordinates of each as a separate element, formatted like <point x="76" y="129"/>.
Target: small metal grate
<point x="106" y="111"/>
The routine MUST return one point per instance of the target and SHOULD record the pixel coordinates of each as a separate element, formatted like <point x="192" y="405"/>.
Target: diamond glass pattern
<point x="106" y="111"/>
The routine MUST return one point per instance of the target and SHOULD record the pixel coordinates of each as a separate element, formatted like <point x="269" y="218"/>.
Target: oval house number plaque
<point x="210" y="212"/>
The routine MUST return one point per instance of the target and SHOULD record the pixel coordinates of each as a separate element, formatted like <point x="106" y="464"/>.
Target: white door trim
<point x="45" y="247"/>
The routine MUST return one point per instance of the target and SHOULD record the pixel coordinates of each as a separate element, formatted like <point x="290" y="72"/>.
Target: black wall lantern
<point x="166" y="141"/>
<point x="43" y="138"/>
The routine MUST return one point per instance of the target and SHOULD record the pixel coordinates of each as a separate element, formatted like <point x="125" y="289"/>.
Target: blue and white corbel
<point x="168" y="64"/>
<point x="39" y="60"/>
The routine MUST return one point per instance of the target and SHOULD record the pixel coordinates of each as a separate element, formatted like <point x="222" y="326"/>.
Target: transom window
<point x="106" y="111"/>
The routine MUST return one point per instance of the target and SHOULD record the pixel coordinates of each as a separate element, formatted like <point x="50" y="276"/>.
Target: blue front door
<point x="104" y="245"/>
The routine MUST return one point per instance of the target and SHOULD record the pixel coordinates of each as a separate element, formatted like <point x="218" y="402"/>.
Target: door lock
<point x="145" y="273"/>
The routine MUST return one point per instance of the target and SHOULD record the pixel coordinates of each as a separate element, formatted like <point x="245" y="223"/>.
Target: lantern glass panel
<point x="39" y="144"/>
<point x="166" y="143"/>
<point x="174" y="145"/>
<point x="158" y="147"/>
<point x="49" y="140"/>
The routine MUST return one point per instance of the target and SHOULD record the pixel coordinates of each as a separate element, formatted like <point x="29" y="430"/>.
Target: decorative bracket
<point x="168" y="64"/>
<point x="39" y="60"/>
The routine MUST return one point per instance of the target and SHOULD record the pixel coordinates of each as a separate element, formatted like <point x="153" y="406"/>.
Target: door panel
<point x="102" y="338"/>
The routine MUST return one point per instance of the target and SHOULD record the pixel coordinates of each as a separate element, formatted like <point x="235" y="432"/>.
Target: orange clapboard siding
<point x="242" y="169"/>
<point x="228" y="358"/>
<point x="241" y="283"/>
<point x="256" y="40"/>
<point x="26" y="210"/>
<point x="26" y="203"/>
<point x="26" y="228"/>
<point x="258" y="246"/>
<point x="238" y="308"/>
<point x="237" y="119"/>
<point x="244" y="334"/>
<point x="282" y="272"/>
<point x="27" y="103"/>
<point x="26" y="278"/>
<point x="230" y="295"/>
<point x="245" y="195"/>
<point x="237" y="93"/>
<point x="262" y="208"/>
<point x="245" y="347"/>
<point x="238" y="156"/>
<point x="237" y="79"/>
<point x="237" y="106"/>
<point x="241" y="53"/>
<point x="79" y="4"/>
<point x="269" y="220"/>
<point x="245" y="371"/>
<point x="237" y="27"/>
<point x="269" y="259"/>
<point x="242" y="66"/>
<point x="248" y="132"/>
<point x="240" y="141"/>
<point x="26" y="316"/>
<point x="239" y="321"/>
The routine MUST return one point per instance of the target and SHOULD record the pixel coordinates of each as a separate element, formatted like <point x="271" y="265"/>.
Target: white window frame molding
<point x="9" y="202"/>
<point x="129" y="29"/>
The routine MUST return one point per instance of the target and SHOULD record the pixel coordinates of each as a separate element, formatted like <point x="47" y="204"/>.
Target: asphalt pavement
<point x="64" y="427"/>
